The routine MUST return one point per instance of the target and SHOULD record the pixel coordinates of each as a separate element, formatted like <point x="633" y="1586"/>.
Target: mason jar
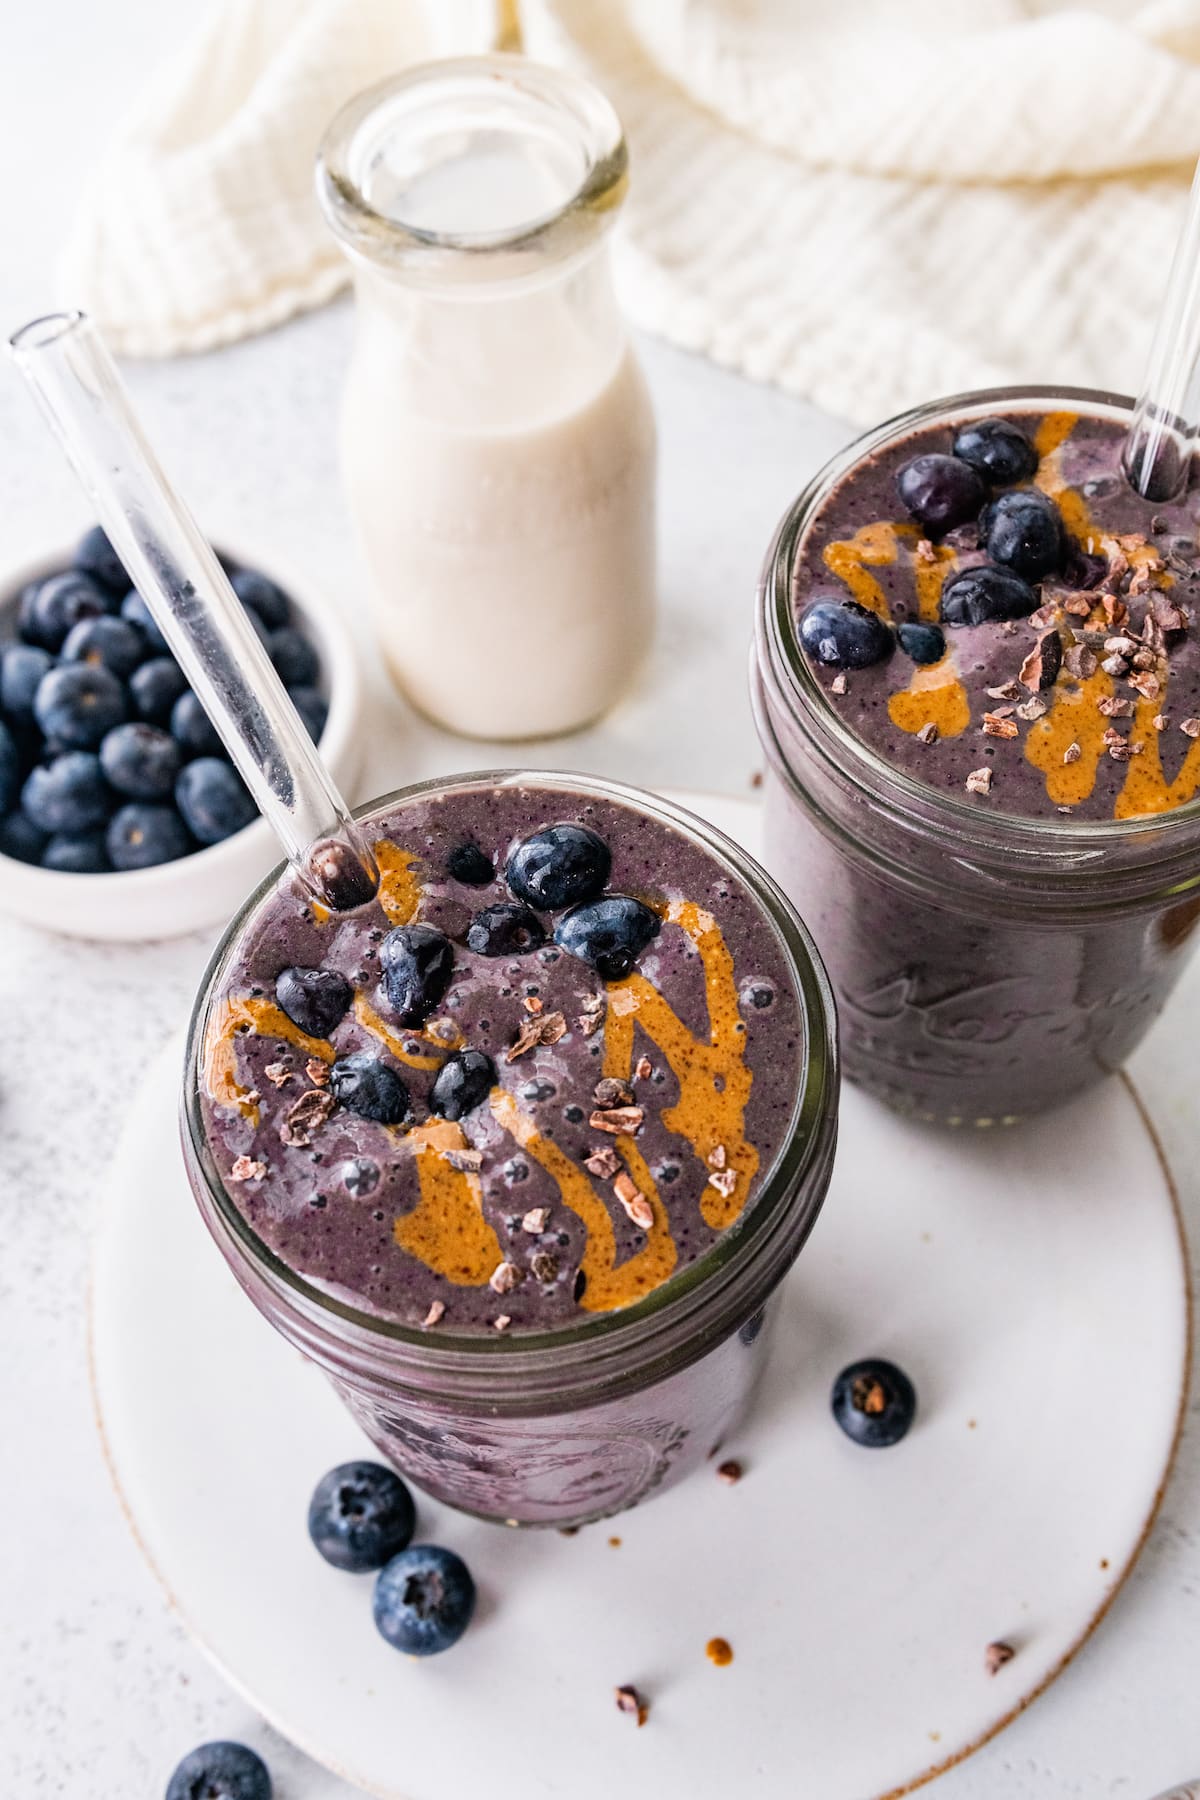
<point x="497" y="437"/>
<point x="986" y="965"/>
<point x="561" y="1425"/>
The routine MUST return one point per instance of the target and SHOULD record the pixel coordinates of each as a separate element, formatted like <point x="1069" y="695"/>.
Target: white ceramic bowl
<point x="203" y="889"/>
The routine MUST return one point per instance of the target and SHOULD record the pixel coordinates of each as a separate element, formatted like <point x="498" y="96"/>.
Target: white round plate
<point x="1031" y="1282"/>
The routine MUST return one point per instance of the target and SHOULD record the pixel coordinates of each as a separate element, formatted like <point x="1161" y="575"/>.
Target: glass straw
<point x="76" y="382"/>
<point x="1158" y="450"/>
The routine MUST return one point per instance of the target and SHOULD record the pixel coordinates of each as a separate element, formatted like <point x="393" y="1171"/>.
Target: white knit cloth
<point x="867" y="203"/>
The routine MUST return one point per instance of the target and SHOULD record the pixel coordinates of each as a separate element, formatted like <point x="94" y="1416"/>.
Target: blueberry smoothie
<point x="978" y="685"/>
<point x="540" y="1091"/>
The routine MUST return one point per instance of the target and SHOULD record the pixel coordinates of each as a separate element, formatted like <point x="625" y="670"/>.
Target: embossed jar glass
<point x="986" y="966"/>
<point x="566" y="1425"/>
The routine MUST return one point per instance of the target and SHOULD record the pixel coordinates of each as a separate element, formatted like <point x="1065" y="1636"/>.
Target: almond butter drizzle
<point x="446" y="1229"/>
<point x="221" y="1033"/>
<point x="399" y="881"/>
<point x="395" y="1042"/>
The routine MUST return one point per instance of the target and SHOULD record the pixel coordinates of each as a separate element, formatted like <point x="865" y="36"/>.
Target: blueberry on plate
<point x="985" y="594"/>
<point x="135" y="610"/>
<point x="610" y="933"/>
<point x="874" y="1402"/>
<point x="265" y="596"/>
<point x="10" y="770"/>
<point x="77" y="704"/>
<point x="77" y="853"/>
<point x="922" y="643"/>
<point x="155" y="687"/>
<point x="462" y="1083"/>
<point x="423" y="1600"/>
<point x="141" y="761"/>
<point x="22" y="667"/>
<point x="417" y="963"/>
<point x="20" y="839"/>
<point x="51" y="607"/>
<point x="294" y="657"/>
<point x="360" y="1516"/>
<point x="997" y="450"/>
<point x="314" y="999"/>
<point x="1023" y="531"/>
<point x="140" y="836"/>
<point x="940" y="492"/>
<point x="222" y="1771"/>
<point x="105" y="643"/>
<point x="365" y="1085"/>
<point x="559" y="866"/>
<point x="69" y="794"/>
<point x="213" y="799"/>
<point x="100" y="562"/>
<point x="470" y="865"/>
<point x="506" y="929"/>
<point x="844" y="635"/>
<point x="192" y="727"/>
<point x="313" y="709"/>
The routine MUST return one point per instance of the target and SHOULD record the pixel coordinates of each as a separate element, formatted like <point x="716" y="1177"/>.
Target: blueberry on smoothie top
<point x="874" y="1402"/>
<point x="1023" y="531"/>
<point x="985" y="594"/>
<point x="506" y="929"/>
<point x="470" y="865"/>
<point x="417" y="963"/>
<point x="558" y="867"/>
<point x="940" y="492"/>
<point x="998" y="450"/>
<point x="365" y="1085"/>
<point x="360" y="1515"/>
<point x="424" y="1600"/>
<point x="844" y="635"/>
<point x="314" y="999"/>
<point x="610" y="933"/>
<point x="463" y="1082"/>
<point x="220" y="1771"/>
<point x="921" y="643"/>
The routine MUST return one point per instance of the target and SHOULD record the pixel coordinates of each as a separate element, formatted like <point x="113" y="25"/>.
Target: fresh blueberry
<point x="21" y="839"/>
<point x="10" y="771"/>
<point x="135" y="610"/>
<point x="922" y="643"/>
<point x="462" y="1083"/>
<point x="213" y="799"/>
<point x="69" y="794"/>
<point x="845" y="635"/>
<point x="155" y="687"/>
<point x="1023" y="531"/>
<point x="506" y="929"/>
<point x="76" y="704"/>
<point x="140" y="836"/>
<point x="423" y="1600"/>
<point x="360" y="1516"/>
<point x="314" y="999"/>
<point x="979" y="596"/>
<point x="100" y="562"/>
<point x="313" y="709"/>
<point x="360" y="1176"/>
<point x="610" y="933"/>
<point x="294" y="657"/>
<point x="470" y="865"/>
<point x="141" y="761"/>
<point x="105" y="643"/>
<point x="997" y="450"/>
<point x="22" y="667"/>
<point x="50" y="608"/>
<point x="365" y="1085"/>
<point x="874" y="1402"/>
<point x="192" y="727"/>
<point x="220" y="1772"/>
<point x="77" y="853"/>
<point x="940" y="492"/>
<point x="417" y="963"/>
<point x="265" y="596"/>
<point x="560" y="866"/>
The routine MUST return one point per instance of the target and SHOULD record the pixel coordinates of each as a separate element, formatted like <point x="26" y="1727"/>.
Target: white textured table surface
<point x="99" y="1690"/>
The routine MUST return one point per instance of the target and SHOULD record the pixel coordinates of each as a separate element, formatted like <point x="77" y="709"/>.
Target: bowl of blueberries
<point x="121" y="815"/>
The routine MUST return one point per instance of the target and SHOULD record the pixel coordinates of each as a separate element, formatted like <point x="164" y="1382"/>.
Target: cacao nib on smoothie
<point x="538" y="1077"/>
<point x="994" y="610"/>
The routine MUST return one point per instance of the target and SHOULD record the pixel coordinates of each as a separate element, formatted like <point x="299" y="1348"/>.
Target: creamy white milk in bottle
<point x="498" y="443"/>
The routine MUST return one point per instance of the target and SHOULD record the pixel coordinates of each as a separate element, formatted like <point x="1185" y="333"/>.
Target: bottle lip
<point x="782" y="663"/>
<point x="506" y="95"/>
<point x="694" y="1308"/>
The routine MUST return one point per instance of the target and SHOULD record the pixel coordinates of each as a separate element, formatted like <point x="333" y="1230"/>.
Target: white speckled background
<point x="100" y="1692"/>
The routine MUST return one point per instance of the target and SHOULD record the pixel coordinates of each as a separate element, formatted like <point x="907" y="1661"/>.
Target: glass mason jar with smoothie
<point x="977" y="685"/>
<point x="519" y="1152"/>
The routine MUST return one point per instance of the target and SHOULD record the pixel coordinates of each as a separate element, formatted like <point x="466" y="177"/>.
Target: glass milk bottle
<point x="498" y="443"/>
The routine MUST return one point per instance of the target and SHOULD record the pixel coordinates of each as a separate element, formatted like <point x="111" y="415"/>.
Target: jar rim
<point x="809" y="705"/>
<point x="562" y="107"/>
<point x="770" y="1230"/>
